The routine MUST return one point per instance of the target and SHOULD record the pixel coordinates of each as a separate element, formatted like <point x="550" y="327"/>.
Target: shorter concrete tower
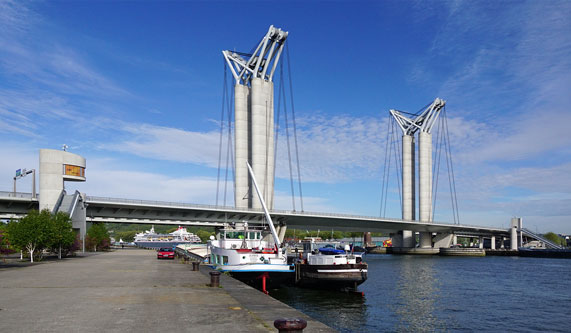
<point x="410" y="124"/>
<point x="57" y="166"/>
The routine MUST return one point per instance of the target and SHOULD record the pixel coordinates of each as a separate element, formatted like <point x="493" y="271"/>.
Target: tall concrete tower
<point x="408" y="174"/>
<point x="421" y="123"/>
<point x="254" y="116"/>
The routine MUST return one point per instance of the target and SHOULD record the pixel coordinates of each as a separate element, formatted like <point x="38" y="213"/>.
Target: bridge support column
<point x="455" y="240"/>
<point x="425" y="185"/>
<point x="408" y="185"/>
<point x="396" y="239"/>
<point x="262" y="138"/>
<point x="502" y="246"/>
<point x="493" y="242"/>
<point x="481" y="242"/>
<point x="513" y="238"/>
<point x="282" y="232"/>
<point x="242" y="195"/>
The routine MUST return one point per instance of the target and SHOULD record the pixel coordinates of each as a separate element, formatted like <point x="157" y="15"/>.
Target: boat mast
<point x="271" y="223"/>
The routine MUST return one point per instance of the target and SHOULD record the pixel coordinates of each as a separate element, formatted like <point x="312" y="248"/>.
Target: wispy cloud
<point x="43" y="79"/>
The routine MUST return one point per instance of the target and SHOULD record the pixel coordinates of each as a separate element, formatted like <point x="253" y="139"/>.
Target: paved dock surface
<point x="131" y="291"/>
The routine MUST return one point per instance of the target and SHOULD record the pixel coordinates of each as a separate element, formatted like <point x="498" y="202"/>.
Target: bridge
<point x="253" y="139"/>
<point x="115" y="210"/>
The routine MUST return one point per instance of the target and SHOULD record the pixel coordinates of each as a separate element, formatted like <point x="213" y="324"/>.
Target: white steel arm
<point x="266" y="212"/>
<point x="266" y="56"/>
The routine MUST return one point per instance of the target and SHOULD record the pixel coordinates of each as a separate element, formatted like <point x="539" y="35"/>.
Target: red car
<point x="165" y="253"/>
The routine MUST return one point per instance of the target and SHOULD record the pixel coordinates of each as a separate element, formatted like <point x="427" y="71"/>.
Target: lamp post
<point x="20" y="173"/>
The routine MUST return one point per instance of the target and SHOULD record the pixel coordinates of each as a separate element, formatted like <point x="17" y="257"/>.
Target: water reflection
<point x="416" y="293"/>
<point x="349" y="310"/>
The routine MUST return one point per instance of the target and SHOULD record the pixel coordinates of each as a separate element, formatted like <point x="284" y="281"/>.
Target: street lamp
<point x="20" y="173"/>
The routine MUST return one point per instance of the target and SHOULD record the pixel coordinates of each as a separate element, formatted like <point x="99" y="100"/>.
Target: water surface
<point x="432" y="293"/>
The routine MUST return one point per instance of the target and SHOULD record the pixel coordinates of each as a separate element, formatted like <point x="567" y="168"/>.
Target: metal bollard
<point x="215" y="279"/>
<point x="195" y="266"/>
<point x="290" y="325"/>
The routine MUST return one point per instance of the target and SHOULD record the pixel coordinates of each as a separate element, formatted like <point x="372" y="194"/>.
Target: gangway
<point x="548" y="243"/>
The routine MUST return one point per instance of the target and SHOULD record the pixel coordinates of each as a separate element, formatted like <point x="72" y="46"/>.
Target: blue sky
<point x="136" y="87"/>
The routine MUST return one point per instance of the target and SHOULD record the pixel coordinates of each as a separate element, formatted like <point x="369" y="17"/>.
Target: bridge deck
<point x="113" y="210"/>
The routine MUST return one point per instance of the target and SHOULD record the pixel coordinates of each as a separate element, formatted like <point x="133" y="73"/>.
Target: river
<point x="431" y="293"/>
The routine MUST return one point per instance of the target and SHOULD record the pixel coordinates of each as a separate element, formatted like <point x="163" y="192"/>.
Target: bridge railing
<point x="275" y="211"/>
<point x="22" y="195"/>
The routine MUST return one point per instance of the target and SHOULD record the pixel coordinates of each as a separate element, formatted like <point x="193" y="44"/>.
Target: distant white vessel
<point x="150" y="239"/>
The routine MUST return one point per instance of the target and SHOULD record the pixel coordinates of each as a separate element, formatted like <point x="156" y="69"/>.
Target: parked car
<point x="165" y="253"/>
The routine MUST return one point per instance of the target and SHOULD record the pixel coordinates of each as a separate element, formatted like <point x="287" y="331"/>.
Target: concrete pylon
<point x="262" y="138"/>
<point x="421" y="122"/>
<point x="408" y="187"/>
<point x="425" y="185"/>
<point x="242" y="196"/>
<point x="254" y="117"/>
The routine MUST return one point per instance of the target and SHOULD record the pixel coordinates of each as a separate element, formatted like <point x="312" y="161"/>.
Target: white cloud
<point x="169" y="144"/>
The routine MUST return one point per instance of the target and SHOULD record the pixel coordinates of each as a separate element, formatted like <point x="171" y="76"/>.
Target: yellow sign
<point x="74" y="170"/>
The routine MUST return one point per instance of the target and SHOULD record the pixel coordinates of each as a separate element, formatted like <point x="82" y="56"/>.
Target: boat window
<point x="235" y="235"/>
<point x="225" y="260"/>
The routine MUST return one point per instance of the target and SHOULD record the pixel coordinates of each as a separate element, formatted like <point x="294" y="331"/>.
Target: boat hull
<point x="347" y="276"/>
<point x="253" y="274"/>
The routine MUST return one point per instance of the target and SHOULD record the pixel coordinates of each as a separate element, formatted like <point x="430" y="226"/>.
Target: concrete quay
<point x="130" y="290"/>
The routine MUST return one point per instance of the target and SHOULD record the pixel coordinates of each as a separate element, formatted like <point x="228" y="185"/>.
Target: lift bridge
<point x="88" y="209"/>
<point x="114" y="210"/>
<point x="254" y="143"/>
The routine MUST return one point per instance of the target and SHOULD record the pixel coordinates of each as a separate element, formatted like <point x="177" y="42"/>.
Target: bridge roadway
<point x="131" y="291"/>
<point x="112" y="210"/>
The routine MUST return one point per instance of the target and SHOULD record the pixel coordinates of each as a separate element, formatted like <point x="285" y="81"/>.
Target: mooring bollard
<point x="215" y="279"/>
<point x="195" y="266"/>
<point x="290" y="325"/>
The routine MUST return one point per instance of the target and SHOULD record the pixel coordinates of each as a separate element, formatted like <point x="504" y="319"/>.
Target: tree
<point x="204" y="235"/>
<point x="554" y="238"/>
<point x="97" y="237"/>
<point x="5" y="247"/>
<point x="62" y="232"/>
<point x="32" y="232"/>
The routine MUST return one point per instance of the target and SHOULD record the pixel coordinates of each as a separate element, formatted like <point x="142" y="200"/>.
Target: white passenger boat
<point x="150" y="239"/>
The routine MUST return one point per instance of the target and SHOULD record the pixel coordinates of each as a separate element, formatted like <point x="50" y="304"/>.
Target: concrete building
<point x="57" y="167"/>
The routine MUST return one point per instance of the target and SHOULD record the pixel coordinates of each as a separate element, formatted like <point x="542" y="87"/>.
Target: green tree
<point x="97" y="237"/>
<point x="554" y="238"/>
<point x="63" y="235"/>
<point x="32" y="232"/>
<point x="5" y="247"/>
<point x="204" y="235"/>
